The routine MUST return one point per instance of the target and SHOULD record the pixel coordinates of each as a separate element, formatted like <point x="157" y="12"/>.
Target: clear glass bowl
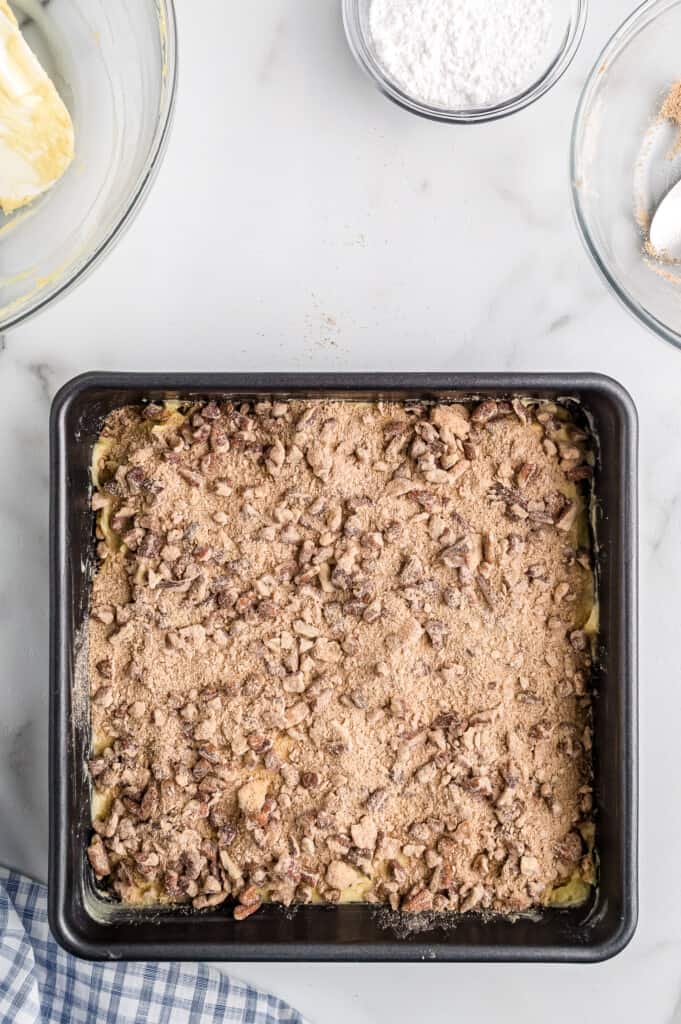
<point x="620" y="165"/>
<point x="569" y="19"/>
<point x="114" y="63"/>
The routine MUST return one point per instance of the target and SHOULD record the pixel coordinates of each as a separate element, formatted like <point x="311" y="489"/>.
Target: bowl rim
<point x="473" y="115"/>
<point x="86" y="264"/>
<point x="639" y="17"/>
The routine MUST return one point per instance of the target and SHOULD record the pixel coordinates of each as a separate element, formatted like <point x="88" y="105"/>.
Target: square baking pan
<point x="89" y="924"/>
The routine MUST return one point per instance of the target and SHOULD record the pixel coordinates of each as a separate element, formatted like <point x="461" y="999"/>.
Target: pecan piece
<point x="526" y="474"/>
<point x="150" y="802"/>
<point x="241" y="912"/>
<point x="154" y="411"/>
<point x="485" y="412"/>
<point x="436" y="631"/>
<point x="98" y="857"/>
<point x="420" y="901"/>
<point x="205" y="900"/>
<point x="376" y="799"/>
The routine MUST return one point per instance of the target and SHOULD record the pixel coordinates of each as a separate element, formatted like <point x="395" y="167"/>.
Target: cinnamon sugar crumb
<point x="337" y="651"/>
<point x="671" y="111"/>
<point x="656" y="259"/>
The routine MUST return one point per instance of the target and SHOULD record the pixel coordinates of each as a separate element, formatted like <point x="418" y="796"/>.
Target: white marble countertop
<point x="300" y="221"/>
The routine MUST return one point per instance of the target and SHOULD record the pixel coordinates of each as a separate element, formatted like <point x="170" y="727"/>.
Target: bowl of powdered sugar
<point x="464" y="60"/>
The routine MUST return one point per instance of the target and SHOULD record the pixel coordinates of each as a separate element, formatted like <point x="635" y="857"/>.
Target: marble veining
<point x="332" y="231"/>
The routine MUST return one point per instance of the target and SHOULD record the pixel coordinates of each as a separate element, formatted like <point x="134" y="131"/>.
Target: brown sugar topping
<point x="337" y="651"/>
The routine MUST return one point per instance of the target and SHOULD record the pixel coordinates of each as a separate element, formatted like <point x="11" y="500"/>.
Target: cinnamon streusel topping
<point x="341" y="650"/>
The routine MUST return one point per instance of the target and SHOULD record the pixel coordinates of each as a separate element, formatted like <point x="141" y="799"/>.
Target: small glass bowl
<point x="568" y="29"/>
<point x="621" y="162"/>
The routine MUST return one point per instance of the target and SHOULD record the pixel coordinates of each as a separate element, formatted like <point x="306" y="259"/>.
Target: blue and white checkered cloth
<point x="41" y="984"/>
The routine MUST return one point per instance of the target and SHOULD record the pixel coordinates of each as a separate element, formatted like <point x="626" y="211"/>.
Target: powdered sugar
<point x="459" y="54"/>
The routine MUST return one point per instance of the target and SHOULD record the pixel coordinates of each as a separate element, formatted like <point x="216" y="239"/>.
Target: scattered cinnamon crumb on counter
<point x="341" y="651"/>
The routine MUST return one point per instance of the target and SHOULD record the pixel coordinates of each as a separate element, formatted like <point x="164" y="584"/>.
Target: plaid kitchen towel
<point x="41" y="984"/>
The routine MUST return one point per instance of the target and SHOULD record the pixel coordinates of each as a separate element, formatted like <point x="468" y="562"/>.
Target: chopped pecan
<point x="412" y="571"/>
<point x="241" y="912"/>
<point x="420" y="901"/>
<point x="376" y="799"/>
<point x="484" y="412"/>
<point x="98" y="857"/>
<point x="436" y="631"/>
<point x="150" y="802"/>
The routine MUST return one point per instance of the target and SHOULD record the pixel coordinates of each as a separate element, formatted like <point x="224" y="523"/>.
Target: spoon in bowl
<point x="665" y="228"/>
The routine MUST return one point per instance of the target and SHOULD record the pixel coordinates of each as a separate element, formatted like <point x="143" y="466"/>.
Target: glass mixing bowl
<point x="622" y="165"/>
<point x="569" y="19"/>
<point x="114" y="64"/>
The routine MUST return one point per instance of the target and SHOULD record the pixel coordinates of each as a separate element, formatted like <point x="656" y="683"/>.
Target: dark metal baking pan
<point x="88" y="924"/>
